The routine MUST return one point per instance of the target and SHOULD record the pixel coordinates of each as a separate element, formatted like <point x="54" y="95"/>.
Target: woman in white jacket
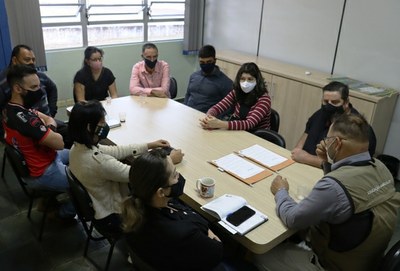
<point x="98" y="167"/>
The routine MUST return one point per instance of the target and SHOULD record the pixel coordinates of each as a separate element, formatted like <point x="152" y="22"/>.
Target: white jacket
<point x="103" y="175"/>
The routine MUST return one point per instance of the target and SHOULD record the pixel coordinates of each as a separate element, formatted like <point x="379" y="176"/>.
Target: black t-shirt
<point x="317" y="128"/>
<point x="94" y="90"/>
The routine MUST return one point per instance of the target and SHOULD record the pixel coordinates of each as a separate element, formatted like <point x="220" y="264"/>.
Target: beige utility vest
<point x="370" y="189"/>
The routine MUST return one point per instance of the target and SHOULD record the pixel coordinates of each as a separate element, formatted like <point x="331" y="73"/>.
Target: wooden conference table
<point x="149" y="119"/>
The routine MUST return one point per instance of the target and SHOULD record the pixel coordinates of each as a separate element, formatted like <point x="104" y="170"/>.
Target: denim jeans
<point x="55" y="178"/>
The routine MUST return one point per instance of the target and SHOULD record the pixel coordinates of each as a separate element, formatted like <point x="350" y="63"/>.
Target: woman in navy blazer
<point x="162" y="231"/>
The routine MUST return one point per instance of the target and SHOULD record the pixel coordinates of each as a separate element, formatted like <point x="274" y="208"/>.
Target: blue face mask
<point x="207" y="67"/>
<point x="102" y="131"/>
<point x="149" y="63"/>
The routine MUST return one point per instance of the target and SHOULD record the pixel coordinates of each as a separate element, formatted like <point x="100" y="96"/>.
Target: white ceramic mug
<point x="206" y="187"/>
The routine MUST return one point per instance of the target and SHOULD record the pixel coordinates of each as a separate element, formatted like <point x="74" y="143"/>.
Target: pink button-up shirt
<point x="143" y="82"/>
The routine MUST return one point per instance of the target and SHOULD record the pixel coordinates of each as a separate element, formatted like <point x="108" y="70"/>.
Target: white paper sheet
<point x="262" y="155"/>
<point x="238" y="166"/>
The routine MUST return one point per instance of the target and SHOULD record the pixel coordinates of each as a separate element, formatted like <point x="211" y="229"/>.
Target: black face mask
<point x="177" y="188"/>
<point x="32" y="66"/>
<point x="102" y="131"/>
<point x="207" y="67"/>
<point x="149" y="63"/>
<point x="31" y="98"/>
<point x="330" y="110"/>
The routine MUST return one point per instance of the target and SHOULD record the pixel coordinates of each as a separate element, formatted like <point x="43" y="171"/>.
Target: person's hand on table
<point x="299" y="155"/>
<point x="157" y="93"/>
<point x="279" y="183"/>
<point x="211" y="122"/>
<point x="161" y="143"/>
<point x="176" y="156"/>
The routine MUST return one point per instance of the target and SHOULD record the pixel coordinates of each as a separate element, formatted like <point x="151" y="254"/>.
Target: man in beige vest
<point x="350" y="214"/>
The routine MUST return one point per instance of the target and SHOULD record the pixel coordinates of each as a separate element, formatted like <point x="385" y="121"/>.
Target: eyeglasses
<point x="329" y="137"/>
<point x="96" y="59"/>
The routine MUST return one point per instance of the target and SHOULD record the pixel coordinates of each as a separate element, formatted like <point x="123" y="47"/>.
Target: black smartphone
<point x="167" y="150"/>
<point x="239" y="216"/>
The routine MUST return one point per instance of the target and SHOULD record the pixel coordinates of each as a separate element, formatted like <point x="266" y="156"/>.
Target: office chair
<point x="391" y="260"/>
<point x="271" y="136"/>
<point x="173" y="88"/>
<point x="391" y="162"/>
<point x="138" y="263"/>
<point x="275" y="120"/>
<point x="84" y="208"/>
<point x="20" y="169"/>
<point x="4" y="162"/>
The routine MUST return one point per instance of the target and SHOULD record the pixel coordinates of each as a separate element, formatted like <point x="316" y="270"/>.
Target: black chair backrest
<point x="271" y="136"/>
<point x="173" y="87"/>
<point x="138" y="262"/>
<point x="391" y="260"/>
<point x="17" y="161"/>
<point x="275" y="120"/>
<point x="391" y="162"/>
<point x="80" y="198"/>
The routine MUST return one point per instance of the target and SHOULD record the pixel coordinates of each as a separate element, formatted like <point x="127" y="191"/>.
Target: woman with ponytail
<point x="161" y="230"/>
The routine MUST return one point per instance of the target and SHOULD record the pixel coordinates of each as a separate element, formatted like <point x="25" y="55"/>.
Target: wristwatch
<point x="52" y="127"/>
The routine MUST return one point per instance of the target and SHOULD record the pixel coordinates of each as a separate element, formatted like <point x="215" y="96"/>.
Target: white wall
<point x="289" y="32"/>
<point x="62" y="66"/>
<point x="304" y="32"/>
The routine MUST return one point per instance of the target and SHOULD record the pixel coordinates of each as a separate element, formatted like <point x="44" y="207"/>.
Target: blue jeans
<point x="55" y="178"/>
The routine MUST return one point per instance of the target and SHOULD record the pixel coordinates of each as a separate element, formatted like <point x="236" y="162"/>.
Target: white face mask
<point x="330" y="159"/>
<point x="247" y="86"/>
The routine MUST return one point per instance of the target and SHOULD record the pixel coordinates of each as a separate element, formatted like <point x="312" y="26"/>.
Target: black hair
<point x="16" y="74"/>
<point x="259" y="90"/>
<point x="207" y="51"/>
<point x="83" y="121"/>
<point x="149" y="45"/>
<point x="16" y="50"/>
<point x="148" y="173"/>
<point x="339" y="87"/>
<point x="89" y="51"/>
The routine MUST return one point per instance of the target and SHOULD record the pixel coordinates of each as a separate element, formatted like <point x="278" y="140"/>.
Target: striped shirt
<point x="257" y="118"/>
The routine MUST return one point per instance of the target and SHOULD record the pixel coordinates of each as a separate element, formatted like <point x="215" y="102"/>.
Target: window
<point x="79" y="23"/>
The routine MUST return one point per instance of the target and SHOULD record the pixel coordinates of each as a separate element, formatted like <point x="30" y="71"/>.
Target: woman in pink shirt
<point x="150" y="77"/>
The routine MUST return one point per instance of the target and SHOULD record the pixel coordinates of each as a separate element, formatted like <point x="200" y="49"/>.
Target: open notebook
<point x="226" y="205"/>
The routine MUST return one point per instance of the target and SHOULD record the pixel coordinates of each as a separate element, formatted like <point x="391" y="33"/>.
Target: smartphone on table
<point x="239" y="216"/>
